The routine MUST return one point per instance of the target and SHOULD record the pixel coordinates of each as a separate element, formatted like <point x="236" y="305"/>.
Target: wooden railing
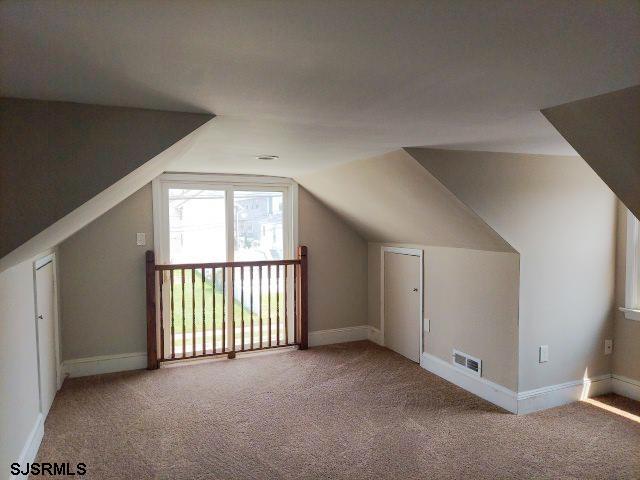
<point x="207" y="309"/>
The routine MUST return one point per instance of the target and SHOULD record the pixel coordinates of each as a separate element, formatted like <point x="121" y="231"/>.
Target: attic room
<point x="319" y="239"/>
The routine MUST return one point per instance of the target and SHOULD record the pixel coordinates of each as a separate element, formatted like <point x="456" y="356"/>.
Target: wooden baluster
<point x="184" y="329"/>
<point x="204" y="327"/>
<point x="213" y="308"/>
<point x="224" y="310"/>
<point x="286" y="320"/>
<point x="193" y="312"/>
<point x="269" y="299"/>
<point x="295" y="306"/>
<point x="161" y="274"/>
<point x="251" y="302"/>
<point x="242" y="308"/>
<point x="277" y="304"/>
<point x="152" y="331"/>
<point x="173" y="328"/>
<point x="304" y="297"/>
<point x="232" y="353"/>
<point x="297" y="313"/>
<point x="260" y="297"/>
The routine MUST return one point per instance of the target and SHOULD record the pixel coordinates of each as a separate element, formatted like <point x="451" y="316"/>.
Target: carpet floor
<point x="349" y="411"/>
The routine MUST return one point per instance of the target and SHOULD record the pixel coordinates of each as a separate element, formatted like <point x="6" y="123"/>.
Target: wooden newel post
<point x="303" y="305"/>
<point x="152" y="342"/>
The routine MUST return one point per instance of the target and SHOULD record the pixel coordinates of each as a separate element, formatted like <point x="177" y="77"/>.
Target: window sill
<point x="631" y="314"/>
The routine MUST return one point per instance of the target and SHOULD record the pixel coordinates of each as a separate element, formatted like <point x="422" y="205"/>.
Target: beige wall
<point x="561" y="218"/>
<point x="19" y="394"/>
<point x="391" y="198"/>
<point x="626" y="333"/>
<point x="471" y="299"/>
<point x="102" y="276"/>
<point x="78" y="151"/>
<point x="337" y="267"/>
<point x="102" y="280"/>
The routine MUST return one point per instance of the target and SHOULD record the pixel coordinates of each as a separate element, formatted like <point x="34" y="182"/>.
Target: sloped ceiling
<point x="392" y="198"/>
<point x="605" y="131"/>
<point x="326" y="82"/>
<point x="526" y="198"/>
<point x="56" y="156"/>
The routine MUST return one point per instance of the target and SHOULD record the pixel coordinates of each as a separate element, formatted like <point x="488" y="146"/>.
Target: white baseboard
<point x="82" y="367"/>
<point x="375" y="336"/>
<point x="483" y="388"/>
<point x="31" y="445"/>
<point x="555" y="395"/>
<point x="60" y="375"/>
<point x="338" y="335"/>
<point x="531" y="400"/>
<point x="625" y="386"/>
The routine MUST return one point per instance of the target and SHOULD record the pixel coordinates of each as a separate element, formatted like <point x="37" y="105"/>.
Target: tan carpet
<point x="344" y="411"/>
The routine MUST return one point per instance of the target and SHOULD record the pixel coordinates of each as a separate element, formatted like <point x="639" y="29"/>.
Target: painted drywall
<point x="19" y="397"/>
<point x="53" y="235"/>
<point x="56" y="156"/>
<point x="102" y="276"/>
<point x="605" y="131"/>
<point x="102" y="281"/>
<point x="626" y="333"/>
<point x="319" y="82"/>
<point x="391" y="198"/>
<point x="337" y="267"/>
<point x="471" y="300"/>
<point x="561" y="218"/>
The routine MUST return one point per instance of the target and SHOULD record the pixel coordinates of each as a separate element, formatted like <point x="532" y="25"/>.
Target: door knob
<point x="40" y="317"/>
<point x="415" y="289"/>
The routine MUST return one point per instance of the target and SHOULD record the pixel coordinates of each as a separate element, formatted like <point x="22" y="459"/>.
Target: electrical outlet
<point x="543" y="354"/>
<point x="141" y="239"/>
<point x="608" y="347"/>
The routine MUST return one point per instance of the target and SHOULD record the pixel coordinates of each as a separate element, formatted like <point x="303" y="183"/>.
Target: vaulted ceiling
<point x="605" y="130"/>
<point x="393" y="198"/>
<point x="320" y="83"/>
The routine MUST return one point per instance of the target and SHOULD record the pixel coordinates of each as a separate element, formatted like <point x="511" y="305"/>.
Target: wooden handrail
<point x="300" y="308"/>
<point x="247" y="263"/>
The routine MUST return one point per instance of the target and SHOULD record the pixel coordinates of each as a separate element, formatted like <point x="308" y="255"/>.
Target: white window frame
<point x="229" y="184"/>
<point x="631" y="307"/>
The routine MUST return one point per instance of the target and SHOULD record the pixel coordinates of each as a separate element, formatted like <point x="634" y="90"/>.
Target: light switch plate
<point x="608" y="347"/>
<point x="141" y="239"/>
<point x="543" y="354"/>
<point x="427" y="325"/>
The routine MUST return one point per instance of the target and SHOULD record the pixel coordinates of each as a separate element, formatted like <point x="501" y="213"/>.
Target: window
<point x="631" y="307"/>
<point x="216" y="218"/>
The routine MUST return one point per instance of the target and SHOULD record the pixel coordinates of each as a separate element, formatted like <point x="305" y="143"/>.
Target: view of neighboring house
<point x="258" y="220"/>
<point x="304" y="239"/>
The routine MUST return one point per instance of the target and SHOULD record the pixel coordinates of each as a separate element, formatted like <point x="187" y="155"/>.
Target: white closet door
<point x="402" y="304"/>
<point x="46" y="335"/>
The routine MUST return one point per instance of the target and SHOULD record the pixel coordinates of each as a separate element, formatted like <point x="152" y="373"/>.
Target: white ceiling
<point x="322" y="82"/>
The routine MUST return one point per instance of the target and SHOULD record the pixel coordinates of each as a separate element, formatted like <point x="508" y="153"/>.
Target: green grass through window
<point x="194" y="293"/>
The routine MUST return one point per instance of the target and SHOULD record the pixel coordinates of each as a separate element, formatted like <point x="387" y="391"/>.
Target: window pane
<point x="257" y="226"/>
<point x="196" y="226"/>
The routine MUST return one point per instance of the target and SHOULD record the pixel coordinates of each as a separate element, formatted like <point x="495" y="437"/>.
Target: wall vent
<point x="467" y="363"/>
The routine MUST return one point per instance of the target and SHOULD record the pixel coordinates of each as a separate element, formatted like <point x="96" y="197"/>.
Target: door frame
<point x="229" y="183"/>
<point x="415" y="252"/>
<point x="38" y="263"/>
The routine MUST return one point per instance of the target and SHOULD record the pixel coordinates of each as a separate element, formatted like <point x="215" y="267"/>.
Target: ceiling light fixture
<point x="267" y="157"/>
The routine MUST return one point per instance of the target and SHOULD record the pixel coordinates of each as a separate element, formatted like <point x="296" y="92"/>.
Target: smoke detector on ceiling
<point x="267" y="157"/>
